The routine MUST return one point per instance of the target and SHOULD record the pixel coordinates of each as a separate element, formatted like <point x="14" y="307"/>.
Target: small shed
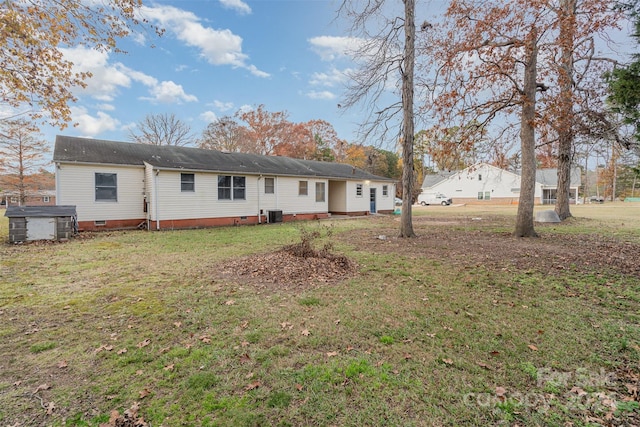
<point x="27" y="223"/>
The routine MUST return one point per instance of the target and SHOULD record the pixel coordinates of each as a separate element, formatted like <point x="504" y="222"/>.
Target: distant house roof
<point x="435" y="178"/>
<point x="549" y="177"/>
<point x="83" y="150"/>
<point x="39" y="211"/>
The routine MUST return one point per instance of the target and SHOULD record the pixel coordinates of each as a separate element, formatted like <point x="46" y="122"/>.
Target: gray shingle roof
<point x="432" y="179"/>
<point x="39" y="211"/>
<point x="83" y="150"/>
<point x="549" y="177"/>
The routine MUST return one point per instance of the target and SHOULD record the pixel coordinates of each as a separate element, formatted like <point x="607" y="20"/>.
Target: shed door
<point x="41" y="228"/>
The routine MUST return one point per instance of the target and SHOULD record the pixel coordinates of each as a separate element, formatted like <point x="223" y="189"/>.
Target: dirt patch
<point x="285" y="270"/>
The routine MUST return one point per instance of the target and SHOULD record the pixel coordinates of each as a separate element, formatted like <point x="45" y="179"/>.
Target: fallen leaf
<point x="144" y="343"/>
<point x="139" y="372"/>
<point x="50" y="408"/>
<point x="108" y="347"/>
<point x="350" y="348"/>
<point x="62" y="364"/>
<point x="306" y="332"/>
<point x="177" y="324"/>
<point x="252" y="386"/>
<point x="244" y="343"/>
<point x="494" y="353"/>
<point x="299" y="387"/>
<point x="41" y="387"/>
<point x="500" y="391"/>
<point x="205" y="339"/>
<point x="448" y="361"/>
<point x="169" y="367"/>
<point x="533" y="347"/>
<point x="17" y="383"/>
<point x="230" y="302"/>
<point x="245" y="358"/>
<point x="407" y="356"/>
<point x="483" y="365"/>
<point x="577" y="390"/>
<point x="144" y="393"/>
<point x="431" y="335"/>
<point x="122" y="351"/>
<point x="337" y="322"/>
<point x="332" y="354"/>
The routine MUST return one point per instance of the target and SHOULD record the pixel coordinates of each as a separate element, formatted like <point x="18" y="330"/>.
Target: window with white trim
<point x="303" y="188"/>
<point x="106" y="187"/>
<point x="320" y="191"/>
<point x="359" y="190"/>
<point x="269" y="186"/>
<point x="385" y="190"/>
<point x="231" y="187"/>
<point x="187" y="182"/>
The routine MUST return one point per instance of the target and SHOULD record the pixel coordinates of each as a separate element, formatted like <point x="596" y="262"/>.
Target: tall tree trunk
<point x="406" y="222"/>
<point x="524" y="220"/>
<point x="567" y="18"/>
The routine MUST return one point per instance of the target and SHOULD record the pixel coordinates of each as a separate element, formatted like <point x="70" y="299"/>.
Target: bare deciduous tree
<point x="386" y="56"/>
<point x="21" y="155"/>
<point x="225" y="134"/>
<point x="162" y="129"/>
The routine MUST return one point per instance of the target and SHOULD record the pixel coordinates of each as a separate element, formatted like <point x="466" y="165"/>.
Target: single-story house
<point x="484" y="183"/>
<point x="33" y="198"/>
<point x="126" y="185"/>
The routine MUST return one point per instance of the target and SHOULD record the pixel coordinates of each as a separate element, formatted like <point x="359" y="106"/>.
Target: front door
<point x="372" y="199"/>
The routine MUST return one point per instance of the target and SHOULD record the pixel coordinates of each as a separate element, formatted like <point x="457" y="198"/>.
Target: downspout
<point x="259" y="213"/>
<point x="57" y="178"/>
<point x="155" y="190"/>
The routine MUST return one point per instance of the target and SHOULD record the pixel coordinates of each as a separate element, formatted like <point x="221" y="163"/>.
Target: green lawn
<point x="96" y="324"/>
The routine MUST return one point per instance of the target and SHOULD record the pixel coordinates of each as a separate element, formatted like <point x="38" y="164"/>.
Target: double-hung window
<point x="269" y="186"/>
<point x="359" y="190"/>
<point x="303" y="188"/>
<point x="187" y="182"/>
<point x="106" y="187"/>
<point x="320" y="191"/>
<point x="231" y="187"/>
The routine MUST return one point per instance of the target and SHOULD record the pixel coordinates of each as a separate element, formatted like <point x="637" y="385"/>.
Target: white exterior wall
<point x="363" y="203"/>
<point x="172" y="204"/>
<point x="286" y="196"/>
<point x="467" y="184"/>
<point x="75" y="185"/>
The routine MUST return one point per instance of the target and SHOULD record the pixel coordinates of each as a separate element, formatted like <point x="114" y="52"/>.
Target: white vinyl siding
<point x="76" y="186"/>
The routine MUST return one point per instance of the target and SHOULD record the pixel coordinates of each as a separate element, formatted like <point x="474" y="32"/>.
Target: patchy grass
<point x="125" y="317"/>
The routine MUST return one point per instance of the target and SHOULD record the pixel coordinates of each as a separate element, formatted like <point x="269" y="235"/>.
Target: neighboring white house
<point x="484" y="183"/>
<point x="122" y="185"/>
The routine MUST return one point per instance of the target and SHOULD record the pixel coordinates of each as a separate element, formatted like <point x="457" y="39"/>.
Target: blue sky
<point x="218" y="56"/>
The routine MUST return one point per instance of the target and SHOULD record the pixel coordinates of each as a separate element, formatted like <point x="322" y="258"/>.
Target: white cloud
<point x="217" y="47"/>
<point x="107" y="78"/>
<point x="208" y="116"/>
<point x="223" y="106"/>
<point x="238" y="5"/>
<point x="245" y="108"/>
<point x="330" y="48"/>
<point x="332" y="78"/>
<point x="168" y="92"/>
<point x="93" y="125"/>
<point x="325" y="94"/>
<point x="105" y="107"/>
